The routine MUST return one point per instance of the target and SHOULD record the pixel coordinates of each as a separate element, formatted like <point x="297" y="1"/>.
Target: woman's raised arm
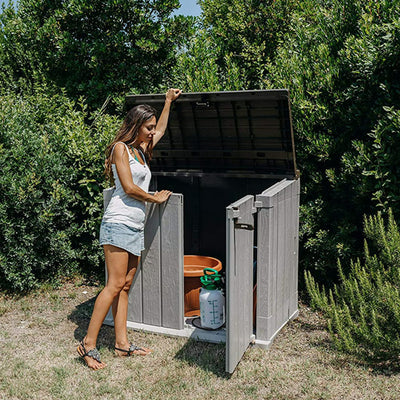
<point x="171" y="95"/>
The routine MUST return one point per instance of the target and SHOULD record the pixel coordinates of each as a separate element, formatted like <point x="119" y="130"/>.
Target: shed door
<point x="277" y="259"/>
<point x="156" y="295"/>
<point x="239" y="283"/>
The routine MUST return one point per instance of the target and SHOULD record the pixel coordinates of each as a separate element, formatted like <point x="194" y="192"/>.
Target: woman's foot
<point x="90" y="355"/>
<point x="129" y="349"/>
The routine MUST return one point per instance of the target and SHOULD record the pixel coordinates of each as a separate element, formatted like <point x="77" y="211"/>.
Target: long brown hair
<point x="128" y="132"/>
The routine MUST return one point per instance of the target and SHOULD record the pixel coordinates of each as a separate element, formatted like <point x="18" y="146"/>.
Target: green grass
<point x="38" y="359"/>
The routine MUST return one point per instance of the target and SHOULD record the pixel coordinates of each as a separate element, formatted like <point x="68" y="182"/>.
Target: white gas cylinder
<point x="212" y="308"/>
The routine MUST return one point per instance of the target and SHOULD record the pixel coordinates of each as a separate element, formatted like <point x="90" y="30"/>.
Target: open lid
<point x="242" y="133"/>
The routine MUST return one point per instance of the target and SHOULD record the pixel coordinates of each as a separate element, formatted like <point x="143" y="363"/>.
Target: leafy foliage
<point x="247" y="32"/>
<point x="340" y="60"/>
<point x="197" y="68"/>
<point x="93" y="48"/>
<point x="50" y="188"/>
<point x="363" y="309"/>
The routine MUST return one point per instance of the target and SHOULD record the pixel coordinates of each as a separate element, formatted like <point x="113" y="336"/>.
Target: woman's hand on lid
<point x="173" y="94"/>
<point x="170" y="96"/>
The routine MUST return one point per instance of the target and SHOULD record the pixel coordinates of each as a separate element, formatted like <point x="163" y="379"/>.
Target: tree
<point x="247" y="32"/>
<point x="197" y="68"/>
<point x="341" y="62"/>
<point x="93" y="48"/>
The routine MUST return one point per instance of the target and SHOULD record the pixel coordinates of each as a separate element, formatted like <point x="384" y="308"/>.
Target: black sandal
<point x="132" y="349"/>
<point x="94" y="353"/>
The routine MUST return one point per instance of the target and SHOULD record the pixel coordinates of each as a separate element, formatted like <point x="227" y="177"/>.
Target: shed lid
<point x="235" y="133"/>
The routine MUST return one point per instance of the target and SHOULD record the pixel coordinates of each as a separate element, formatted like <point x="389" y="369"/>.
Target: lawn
<point x="39" y="334"/>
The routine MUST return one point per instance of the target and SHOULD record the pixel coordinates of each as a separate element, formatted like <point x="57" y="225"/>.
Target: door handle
<point x="248" y="227"/>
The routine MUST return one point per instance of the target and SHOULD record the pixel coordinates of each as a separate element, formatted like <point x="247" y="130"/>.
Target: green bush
<point x="363" y="309"/>
<point x="340" y="61"/>
<point x="197" y="68"/>
<point x="92" y="48"/>
<point x="51" y="158"/>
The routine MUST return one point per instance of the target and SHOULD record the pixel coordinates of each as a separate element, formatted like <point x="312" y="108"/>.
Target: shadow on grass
<point x="207" y="356"/>
<point x="384" y="368"/>
<point x="81" y="317"/>
<point x="310" y="326"/>
<point x="373" y="366"/>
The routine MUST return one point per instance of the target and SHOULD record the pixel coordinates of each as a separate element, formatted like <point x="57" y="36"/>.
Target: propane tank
<point x="212" y="301"/>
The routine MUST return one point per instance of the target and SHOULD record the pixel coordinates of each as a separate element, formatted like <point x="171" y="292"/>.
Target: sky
<point x="189" y="7"/>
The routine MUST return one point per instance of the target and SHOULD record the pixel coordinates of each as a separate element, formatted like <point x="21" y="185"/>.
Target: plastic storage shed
<point x="230" y="156"/>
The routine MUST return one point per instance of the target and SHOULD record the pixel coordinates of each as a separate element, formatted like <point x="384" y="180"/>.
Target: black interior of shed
<point x="205" y="202"/>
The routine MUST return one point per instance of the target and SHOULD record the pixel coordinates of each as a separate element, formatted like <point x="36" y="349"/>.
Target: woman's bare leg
<point x="120" y="310"/>
<point x="120" y="305"/>
<point x="117" y="268"/>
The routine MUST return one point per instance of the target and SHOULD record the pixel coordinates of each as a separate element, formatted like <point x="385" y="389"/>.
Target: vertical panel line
<point x="141" y="291"/>
<point x="160" y="304"/>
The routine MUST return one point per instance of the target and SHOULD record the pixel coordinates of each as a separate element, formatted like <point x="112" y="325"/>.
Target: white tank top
<point x="124" y="209"/>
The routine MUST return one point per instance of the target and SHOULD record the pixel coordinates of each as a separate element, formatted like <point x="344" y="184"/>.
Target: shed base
<point x="266" y="344"/>
<point x="189" y="331"/>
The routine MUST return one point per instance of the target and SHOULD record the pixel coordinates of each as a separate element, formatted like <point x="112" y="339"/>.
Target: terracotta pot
<point x="193" y="270"/>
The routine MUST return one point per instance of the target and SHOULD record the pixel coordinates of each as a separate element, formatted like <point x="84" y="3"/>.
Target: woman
<point x="121" y="232"/>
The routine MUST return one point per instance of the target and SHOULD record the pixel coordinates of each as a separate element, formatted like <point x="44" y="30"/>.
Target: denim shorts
<point x="123" y="236"/>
